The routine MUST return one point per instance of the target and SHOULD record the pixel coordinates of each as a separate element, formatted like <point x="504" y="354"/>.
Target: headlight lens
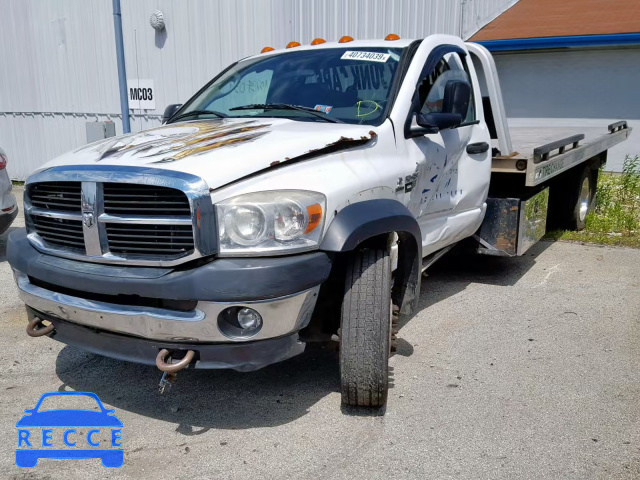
<point x="270" y="223"/>
<point x="245" y="224"/>
<point x="290" y="220"/>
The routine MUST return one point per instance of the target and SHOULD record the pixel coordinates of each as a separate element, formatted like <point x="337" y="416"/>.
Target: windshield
<point x="345" y="85"/>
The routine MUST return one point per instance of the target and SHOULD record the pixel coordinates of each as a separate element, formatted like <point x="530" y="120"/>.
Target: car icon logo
<point x="69" y="433"/>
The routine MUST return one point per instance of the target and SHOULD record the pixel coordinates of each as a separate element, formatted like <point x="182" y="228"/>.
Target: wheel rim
<point x="585" y="196"/>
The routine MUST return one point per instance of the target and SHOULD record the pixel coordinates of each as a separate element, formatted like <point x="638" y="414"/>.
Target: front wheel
<point x="365" y="329"/>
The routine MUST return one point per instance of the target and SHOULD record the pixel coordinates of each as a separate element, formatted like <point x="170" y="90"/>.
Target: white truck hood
<point x="220" y="151"/>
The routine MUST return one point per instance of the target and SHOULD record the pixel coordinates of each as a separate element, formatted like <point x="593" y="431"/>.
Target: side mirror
<point x="455" y="105"/>
<point x="457" y="95"/>
<point x="170" y="111"/>
<point x="433" y="123"/>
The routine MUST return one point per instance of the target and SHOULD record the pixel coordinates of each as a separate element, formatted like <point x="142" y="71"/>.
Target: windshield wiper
<point x="193" y="113"/>
<point x="286" y="106"/>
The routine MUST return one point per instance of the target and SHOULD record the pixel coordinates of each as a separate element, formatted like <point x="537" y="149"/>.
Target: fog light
<point x="239" y="322"/>
<point x="249" y="319"/>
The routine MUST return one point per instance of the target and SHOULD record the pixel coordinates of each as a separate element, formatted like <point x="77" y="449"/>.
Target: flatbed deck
<point x="541" y="153"/>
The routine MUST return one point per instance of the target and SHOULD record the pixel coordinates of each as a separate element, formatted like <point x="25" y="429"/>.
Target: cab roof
<point x="352" y="45"/>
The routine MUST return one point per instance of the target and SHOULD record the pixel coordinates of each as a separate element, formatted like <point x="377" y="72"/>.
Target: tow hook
<point x="35" y="328"/>
<point x="170" y="370"/>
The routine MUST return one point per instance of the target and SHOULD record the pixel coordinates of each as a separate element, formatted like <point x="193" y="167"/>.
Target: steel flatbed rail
<point x="551" y="159"/>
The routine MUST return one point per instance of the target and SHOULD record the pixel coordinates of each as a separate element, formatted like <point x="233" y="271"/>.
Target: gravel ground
<point x="512" y="368"/>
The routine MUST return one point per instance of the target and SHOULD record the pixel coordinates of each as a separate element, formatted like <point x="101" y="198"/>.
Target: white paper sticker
<point x="141" y="94"/>
<point x="366" y="56"/>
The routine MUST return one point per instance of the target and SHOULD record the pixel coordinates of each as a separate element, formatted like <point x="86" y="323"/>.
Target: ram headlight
<point x="270" y="223"/>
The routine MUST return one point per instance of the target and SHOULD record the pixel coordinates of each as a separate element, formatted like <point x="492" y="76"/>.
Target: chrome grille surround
<point x="94" y="220"/>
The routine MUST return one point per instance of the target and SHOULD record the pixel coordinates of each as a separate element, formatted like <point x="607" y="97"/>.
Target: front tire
<point x="366" y="329"/>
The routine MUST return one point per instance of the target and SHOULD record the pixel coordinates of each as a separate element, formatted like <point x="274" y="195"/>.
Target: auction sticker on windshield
<point x="92" y="431"/>
<point x="366" y="56"/>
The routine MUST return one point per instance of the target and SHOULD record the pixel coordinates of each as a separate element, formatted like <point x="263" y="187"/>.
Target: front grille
<point x="127" y="220"/>
<point x="60" y="196"/>
<point x="134" y="199"/>
<point x="59" y="231"/>
<point x="126" y="238"/>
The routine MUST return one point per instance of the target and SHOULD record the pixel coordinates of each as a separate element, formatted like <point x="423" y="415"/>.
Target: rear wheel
<point x="571" y="199"/>
<point x="582" y="200"/>
<point x="365" y="330"/>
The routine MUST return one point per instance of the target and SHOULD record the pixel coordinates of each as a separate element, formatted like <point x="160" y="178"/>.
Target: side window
<point x="450" y="67"/>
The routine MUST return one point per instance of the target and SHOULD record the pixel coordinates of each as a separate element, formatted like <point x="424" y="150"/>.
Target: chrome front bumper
<point x="281" y="316"/>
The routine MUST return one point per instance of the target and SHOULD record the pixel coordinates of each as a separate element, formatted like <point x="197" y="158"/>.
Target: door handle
<point x="479" y="147"/>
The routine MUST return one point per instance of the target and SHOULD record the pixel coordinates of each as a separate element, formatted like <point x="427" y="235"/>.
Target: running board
<point x="434" y="257"/>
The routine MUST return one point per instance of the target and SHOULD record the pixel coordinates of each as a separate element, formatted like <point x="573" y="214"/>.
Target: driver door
<point x="452" y="184"/>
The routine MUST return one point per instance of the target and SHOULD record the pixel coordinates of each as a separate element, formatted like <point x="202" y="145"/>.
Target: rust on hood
<point x="343" y="143"/>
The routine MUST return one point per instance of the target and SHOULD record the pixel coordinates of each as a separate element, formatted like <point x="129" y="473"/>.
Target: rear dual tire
<point x="582" y="200"/>
<point x="571" y="199"/>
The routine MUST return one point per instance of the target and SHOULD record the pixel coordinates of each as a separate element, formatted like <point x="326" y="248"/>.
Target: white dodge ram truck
<point x="297" y="196"/>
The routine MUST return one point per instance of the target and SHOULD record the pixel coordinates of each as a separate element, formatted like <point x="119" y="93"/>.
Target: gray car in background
<point x="8" y="205"/>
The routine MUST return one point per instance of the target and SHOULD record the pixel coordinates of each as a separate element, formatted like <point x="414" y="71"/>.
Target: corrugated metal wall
<point x="58" y="63"/>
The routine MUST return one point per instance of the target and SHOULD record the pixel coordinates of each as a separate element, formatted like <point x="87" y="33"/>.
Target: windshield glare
<point x="348" y="85"/>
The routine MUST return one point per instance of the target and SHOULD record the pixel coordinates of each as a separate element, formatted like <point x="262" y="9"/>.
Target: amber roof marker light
<point x="267" y="49"/>
<point x="293" y="44"/>
<point x="318" y="41"/>
<point x="345" y="39"/>
<point x="391" y="37"/>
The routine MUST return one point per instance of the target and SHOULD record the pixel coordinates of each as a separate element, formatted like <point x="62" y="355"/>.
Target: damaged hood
<point x="223" y="150"/>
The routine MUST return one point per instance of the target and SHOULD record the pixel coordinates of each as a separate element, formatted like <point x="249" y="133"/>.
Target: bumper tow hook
<point x="35" y="328"/>
<point x="170" y="370"/>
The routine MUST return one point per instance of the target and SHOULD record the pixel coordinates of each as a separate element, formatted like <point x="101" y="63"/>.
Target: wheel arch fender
<point x="361" y="221"/>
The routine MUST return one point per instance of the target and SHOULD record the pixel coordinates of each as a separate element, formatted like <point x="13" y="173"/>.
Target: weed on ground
<point x="616" y="217"/>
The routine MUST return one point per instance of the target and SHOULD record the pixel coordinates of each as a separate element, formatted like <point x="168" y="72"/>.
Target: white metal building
<point x="58" y="59"/>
